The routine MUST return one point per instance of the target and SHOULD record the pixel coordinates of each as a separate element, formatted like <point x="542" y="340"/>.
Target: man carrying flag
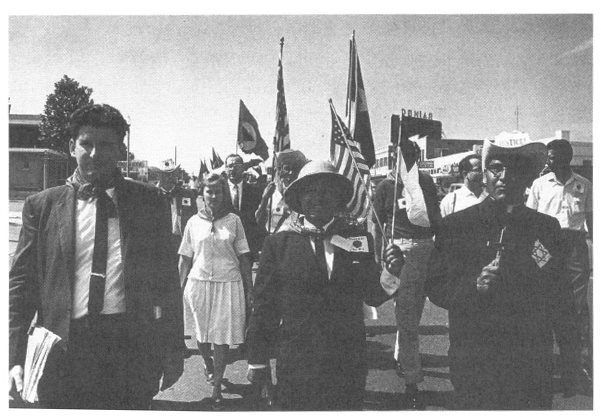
<point x="249" y="137"/>
<point x="407" y="204"/>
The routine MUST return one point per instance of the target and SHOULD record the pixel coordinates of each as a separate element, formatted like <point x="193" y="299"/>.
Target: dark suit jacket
<point x="42" y="275"/>
<point x="316" y="324"/>
<point x="251" y="198"/>
<point x="501" y="343"/>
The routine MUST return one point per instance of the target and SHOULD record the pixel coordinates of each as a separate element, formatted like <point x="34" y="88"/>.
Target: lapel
<point x="66" y="214"/>
<point x="125" y="212"/>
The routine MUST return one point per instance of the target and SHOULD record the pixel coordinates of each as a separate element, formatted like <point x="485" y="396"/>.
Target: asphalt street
<point x="383" y="387"/>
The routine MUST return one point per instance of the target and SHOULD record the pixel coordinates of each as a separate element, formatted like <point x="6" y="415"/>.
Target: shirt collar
<point x="308" y="224"/>
<point x="553" y="178"/>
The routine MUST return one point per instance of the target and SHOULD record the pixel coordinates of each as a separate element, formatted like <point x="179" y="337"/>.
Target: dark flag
<point x="281" y="139"/>
<point x="216" y="160"/>
<point x="203" y="170"/>
<point x="356" y="107"/>
<point x="249" y="137"/>
<point x="348" y="160"/>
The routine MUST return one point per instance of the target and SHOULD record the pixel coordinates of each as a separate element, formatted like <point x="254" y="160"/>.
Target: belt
<point x="102" y="319"/>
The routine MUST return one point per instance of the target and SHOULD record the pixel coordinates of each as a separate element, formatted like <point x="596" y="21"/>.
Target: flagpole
<point x="348" y="146"/>
<point x="396" y="183"/>
<point x="275" y="143"/>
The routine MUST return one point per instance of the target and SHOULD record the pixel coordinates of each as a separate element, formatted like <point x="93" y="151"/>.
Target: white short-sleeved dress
<point x="214" y="290"/>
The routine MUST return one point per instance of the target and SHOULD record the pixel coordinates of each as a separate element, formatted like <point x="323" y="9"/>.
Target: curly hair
<point x="98" y="115"/>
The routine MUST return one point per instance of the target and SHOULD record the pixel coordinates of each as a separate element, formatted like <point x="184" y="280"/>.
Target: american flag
<point x="281" y="139"/>
<point x="356" y="107"/>
<point x="348" y="160"/>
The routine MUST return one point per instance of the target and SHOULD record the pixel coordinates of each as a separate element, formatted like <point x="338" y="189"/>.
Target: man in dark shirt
<point x="416" y="243"/>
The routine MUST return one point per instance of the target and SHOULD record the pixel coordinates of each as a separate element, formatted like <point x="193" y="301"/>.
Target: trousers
<point x="409" y="304"/>
<point x="93" y="371"/>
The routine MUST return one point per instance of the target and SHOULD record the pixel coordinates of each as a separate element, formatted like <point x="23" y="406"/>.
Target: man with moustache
<point x="497" y="269"/>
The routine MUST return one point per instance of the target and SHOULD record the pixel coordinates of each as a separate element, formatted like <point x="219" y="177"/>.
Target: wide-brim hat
<point x="293" y="158"/>
<point x="534" y="152"/>
<point x="309" y="173"/>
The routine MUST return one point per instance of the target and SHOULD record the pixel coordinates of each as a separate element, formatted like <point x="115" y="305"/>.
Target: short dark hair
<point x="464" y="164"/>
<point x="233" y="155"/>
<point x="562" y="146"/>
<point x="98" y="115"/>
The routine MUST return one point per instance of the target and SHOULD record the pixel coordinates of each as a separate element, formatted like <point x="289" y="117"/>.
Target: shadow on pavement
<point x="378" y="400"/>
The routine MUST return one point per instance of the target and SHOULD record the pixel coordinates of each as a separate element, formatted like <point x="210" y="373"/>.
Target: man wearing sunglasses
<point x="497" y="269"/>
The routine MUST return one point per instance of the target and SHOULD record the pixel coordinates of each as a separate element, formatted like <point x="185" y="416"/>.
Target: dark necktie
<point x="236" y="201"/>
<point x="104" y="210"/>
<point x="320" y="255"/>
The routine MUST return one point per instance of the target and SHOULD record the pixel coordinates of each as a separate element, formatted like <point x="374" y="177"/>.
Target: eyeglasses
<point x="232" y="166"/>
<point x="496" y="169"/>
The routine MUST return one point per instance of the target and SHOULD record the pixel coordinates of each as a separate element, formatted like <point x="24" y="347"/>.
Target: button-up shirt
<point x="232" y="189"/>
<point x="460" y="199"/>
<point x="569" y="203"/>
<point x="114" y="290"/>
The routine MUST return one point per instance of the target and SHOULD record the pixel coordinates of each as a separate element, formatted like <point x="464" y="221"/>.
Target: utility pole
<point x="517" y="117"/>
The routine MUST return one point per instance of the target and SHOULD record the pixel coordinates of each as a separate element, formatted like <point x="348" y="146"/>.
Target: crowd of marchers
<point x="110" y="264"/>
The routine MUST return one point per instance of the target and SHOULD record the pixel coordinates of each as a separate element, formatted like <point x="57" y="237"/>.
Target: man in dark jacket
<point x="497" y="269"/>
<point x="245" y="199"/>
<point x="93" y="263"/>
<point x="308" y="298"/>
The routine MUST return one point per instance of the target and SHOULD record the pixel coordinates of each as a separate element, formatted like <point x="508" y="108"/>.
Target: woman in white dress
<point x="215" y="269"/>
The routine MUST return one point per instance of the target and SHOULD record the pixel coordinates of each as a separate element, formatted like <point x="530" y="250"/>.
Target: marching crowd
<point x="110" y="265"/>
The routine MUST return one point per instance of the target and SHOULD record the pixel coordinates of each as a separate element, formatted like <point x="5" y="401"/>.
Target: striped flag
<point x="348" y="160"/>
<point x="281" y="138"/>
<point x="356" y="107"/>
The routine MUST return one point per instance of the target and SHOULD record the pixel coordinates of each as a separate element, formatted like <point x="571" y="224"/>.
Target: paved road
<point x="383" y="386"/>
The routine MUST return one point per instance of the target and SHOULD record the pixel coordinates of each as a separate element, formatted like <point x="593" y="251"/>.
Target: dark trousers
<point x="93" y="372"/>
<point x="572" y="341"/>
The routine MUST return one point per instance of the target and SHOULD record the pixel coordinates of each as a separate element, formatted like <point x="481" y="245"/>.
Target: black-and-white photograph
<point x="275" y="211"/>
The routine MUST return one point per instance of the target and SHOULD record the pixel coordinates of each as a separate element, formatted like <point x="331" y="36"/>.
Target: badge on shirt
<point x="402" y="203"/>
<point x="579" y="187"/>
<point x="540" y="254"/>
<point x="350" y="244"/>
<point x="186" y="201"/>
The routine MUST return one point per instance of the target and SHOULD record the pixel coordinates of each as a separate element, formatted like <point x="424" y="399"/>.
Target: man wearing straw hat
<point x="308" y="295"/>
<point x="497" y="269"/>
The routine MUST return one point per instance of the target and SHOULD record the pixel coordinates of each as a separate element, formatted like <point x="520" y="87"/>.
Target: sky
<point x="179" y="79"/>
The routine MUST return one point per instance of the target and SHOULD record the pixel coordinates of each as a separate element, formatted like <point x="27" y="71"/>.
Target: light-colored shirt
<point x="460" y="199"/>
<point x="569" y="203"/>
<point x="114" y="289"/>
<point x="214" y="248"/>
<point x="232" y="186"/>
<point x="327" y="246"/>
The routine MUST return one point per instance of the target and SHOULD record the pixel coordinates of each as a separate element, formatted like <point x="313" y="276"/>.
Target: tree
<point x="67" y="97"/>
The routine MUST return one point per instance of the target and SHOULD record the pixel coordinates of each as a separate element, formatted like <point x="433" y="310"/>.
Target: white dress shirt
<point x="232" y="186"/>
<point x="569" y="203"/>
<point x="85" y="231"/>
<point x="460" y="199"/>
